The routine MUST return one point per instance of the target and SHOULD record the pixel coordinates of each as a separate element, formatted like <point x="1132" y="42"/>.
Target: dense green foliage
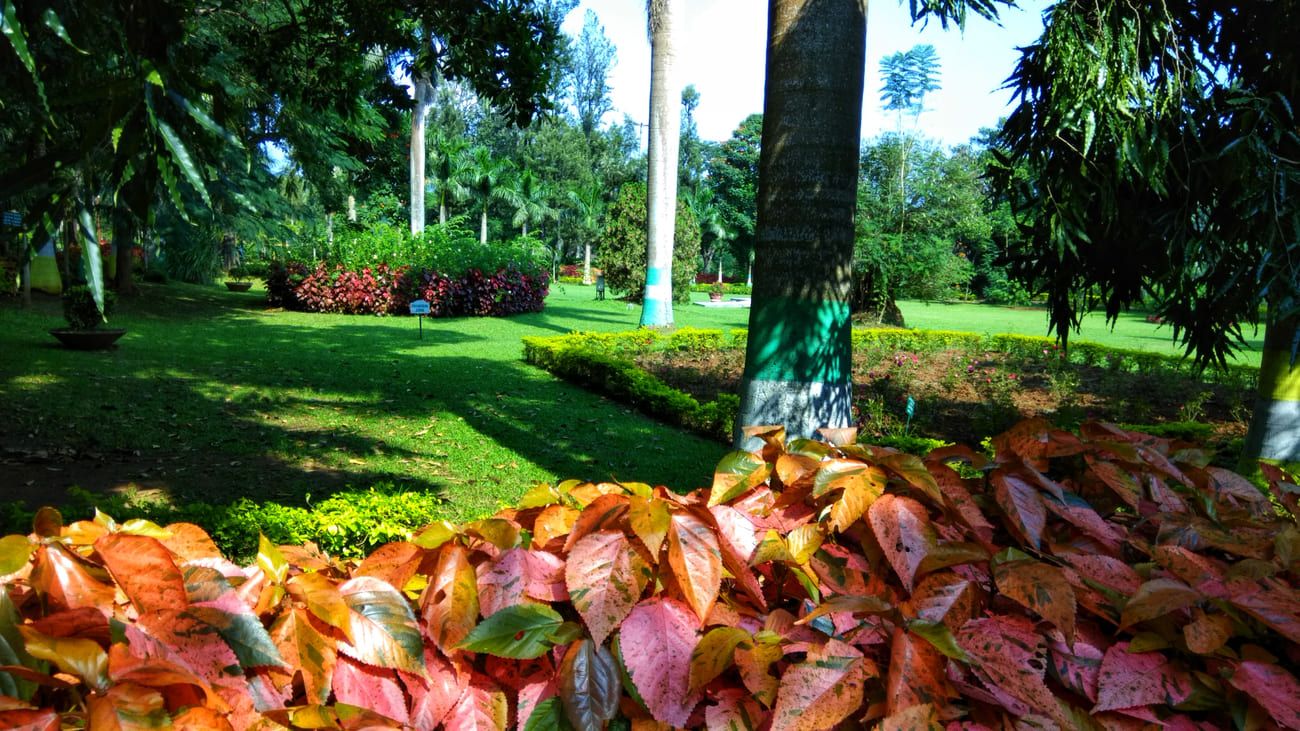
<point x="623" y="251"/>
<point x="81" y="311"/>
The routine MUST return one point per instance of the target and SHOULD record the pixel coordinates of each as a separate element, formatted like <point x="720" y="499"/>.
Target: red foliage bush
<point x="384" y="290"/>
<point x="1106" y="580"/>
<point x="570" y="270"/>
<point x="710" y="278"/>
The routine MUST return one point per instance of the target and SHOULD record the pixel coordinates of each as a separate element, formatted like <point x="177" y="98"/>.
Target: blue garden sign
<point x="420" y="308"/>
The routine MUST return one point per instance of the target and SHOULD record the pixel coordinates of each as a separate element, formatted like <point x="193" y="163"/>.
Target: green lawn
<point x="210" y="396"/>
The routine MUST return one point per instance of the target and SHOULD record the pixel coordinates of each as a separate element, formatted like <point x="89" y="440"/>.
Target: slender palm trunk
<point x="352" y="209"/>
<point x="423" y="100"/>
<point x="524" y="231"/>
<point x="665" y="130"/>
<point x="586" y="262"/>
<point x="482" y="227"/>
<point x="797" y="364"/>
<point x="1274" y="432"/>
<point x="442" y="210"/>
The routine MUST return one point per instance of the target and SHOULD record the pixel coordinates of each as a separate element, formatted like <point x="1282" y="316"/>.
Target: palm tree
<point x="665" y="128"/>
<point x="587" y="207"/>
<point x="423" y="87"/>
<point x="482" y="174"/>
<point x="447" y="159"/>
<point x="530" y="198"/>
<point x="797" y="365"/>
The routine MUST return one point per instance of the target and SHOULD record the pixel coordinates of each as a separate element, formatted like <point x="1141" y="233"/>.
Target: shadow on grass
<point x="204" y="402"/>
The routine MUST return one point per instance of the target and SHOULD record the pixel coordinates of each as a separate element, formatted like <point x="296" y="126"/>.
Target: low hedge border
<point x="605" y="361"/>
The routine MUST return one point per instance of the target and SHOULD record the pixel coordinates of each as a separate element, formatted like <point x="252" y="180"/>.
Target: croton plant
<point x="1104" y="580"/>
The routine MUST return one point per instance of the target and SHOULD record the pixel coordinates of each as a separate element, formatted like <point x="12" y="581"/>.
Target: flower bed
<point x="385" y="290"/>
<point x="1103" y="579"/>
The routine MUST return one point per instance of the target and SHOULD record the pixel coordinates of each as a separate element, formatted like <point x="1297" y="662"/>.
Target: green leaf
<point x="244" y="634"/>
<point x="183" y="160"/>
<point x="13" y="30"/>
<point x="715" y="653"/>
<point x="541" y="495"/>
<point x="91" y="262"/>
<point x="735" y="474"/>
<point x="53" y="22"/>
<point x="435" y="534"/>
<point x="270" y="560"/>
<point x="548" y="716"/>
<point x="521" y="632"/>
<point x="939" y="635"/>
<point x="15" y="552"/>
<point x="203" y="119"/>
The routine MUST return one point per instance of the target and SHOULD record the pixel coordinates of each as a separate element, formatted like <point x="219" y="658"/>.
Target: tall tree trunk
<point x="798" y="359"/>
<point x="25" y="280"/>
<point x="1274" y="432"/>
<point x="352" y="208"/>
<point x="423" y="100"/>
<point x="124" y="237"/>
<point x="525" y="229"/>
<point x="482" y="227"/>
<point x="442" y="210"/>
<point x="665" y="130"/>
<point x="586" y="262"/>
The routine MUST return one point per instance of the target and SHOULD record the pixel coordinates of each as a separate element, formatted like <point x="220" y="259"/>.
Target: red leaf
<point x="736" y="710"/>
<point x="66" y="582"/>
<point x="821" y="691"/>
<point x="29" y="720"/>
<point x="904" y="532"/>
<point x="433" y="699"/>
<point x="1272" y="687"/>
<point x="1011" y="657"/>
<point x="605" y="576"/>
<point x="1022" y="505"/>
<point x="482" y="707"/>
<point x="370" y="688"/>
<point x="1079" y="666"/>
<point x="916" y="673"/>
<point x="501" y="583"/>
<point x="144" y="569"/>
<point x="1271" y="602"/>
<point x="1143" y="679"/>
<point x="393" y="562"/>
<point x="656" y="641"/>
<point x="943" y="597"/>
<point x="696" y="561"/>
<point x="1041" y="588"/>
<point x="1110" y="573"/>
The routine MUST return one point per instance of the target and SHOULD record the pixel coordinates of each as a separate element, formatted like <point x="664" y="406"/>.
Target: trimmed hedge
<point x="385" y="290"/>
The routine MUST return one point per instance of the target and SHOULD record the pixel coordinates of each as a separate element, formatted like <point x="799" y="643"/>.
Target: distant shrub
<point x="80" y="310"/>
<point x="623" y="247"/>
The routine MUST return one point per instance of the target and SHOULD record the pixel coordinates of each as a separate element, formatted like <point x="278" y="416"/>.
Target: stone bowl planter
<point x="239" y="286"/>
<point x="97" y="339"/>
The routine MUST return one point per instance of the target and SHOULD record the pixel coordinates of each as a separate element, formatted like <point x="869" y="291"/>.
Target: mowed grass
<point x="213" y="397"/>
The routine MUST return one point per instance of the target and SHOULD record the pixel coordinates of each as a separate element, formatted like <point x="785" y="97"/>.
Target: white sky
<point x="724" y="49"/>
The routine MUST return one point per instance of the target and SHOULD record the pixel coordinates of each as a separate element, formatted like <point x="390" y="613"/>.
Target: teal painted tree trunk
<point x="665" y="16"/>
<point x="797" y="366"/>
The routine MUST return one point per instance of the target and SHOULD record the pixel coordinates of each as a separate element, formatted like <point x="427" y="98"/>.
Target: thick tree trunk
<point x="423" y="100"/>
<point x="586" y="262"/>
<point x="798" y="360"/>
<point x="665" y="130"/>
<point x="1275" y="425"/>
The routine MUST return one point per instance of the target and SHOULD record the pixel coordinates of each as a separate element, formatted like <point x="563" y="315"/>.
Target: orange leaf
<point x="305" y="648"/>
<point x="394" y="563"/>
<point x="198" y="718"/>
<point x="553" y="522"/>
<point x="190" y="542"/>
<point x="1207" y="632"/>
<point x="603" y="512"/>
<point x="323" y="600"/>
<point x="144" y="569"/>
<point x="451" y="602"/>
<point x="1041" y="588"/>
<point x="943" y="597"/>
<point x="1157" y="598"/>
<point x="127" y="707"/>
<point x="1022" y="505"/>
<point x="916" y="673"/>
<point x="860" y="490"/>
<point x="67" y="582"/>
<point x="821" y="691"/>
<point x="696" y="561"/>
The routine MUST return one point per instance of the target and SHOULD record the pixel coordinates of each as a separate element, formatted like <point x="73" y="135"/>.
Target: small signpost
<point x="420" y="308"/>
<point x="911" y="409"/>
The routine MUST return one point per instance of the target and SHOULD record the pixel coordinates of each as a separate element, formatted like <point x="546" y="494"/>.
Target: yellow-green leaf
<point x="715" y="653"/>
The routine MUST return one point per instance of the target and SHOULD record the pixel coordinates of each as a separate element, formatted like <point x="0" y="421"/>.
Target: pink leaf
<point x="605" y="576"/>
<point x="482" y="707"/>
<point x="821" y="691"/>
<point x="1022" y="504"/>
<point x="656" y="641"/>
<point x="371" y="688"/>
<point x="501" y="583"/>
<point x="735" y="710"/>
<point x="1143" y="679"/>
<point x="904" y="532"/>
<point x="433" y="698"/>
<point x="545" y="577"/>
<point x="1010" y="657"/>
<point x="1272" y="687"/>
<point x="1110" y="573"/>
<point x="737" y="529"/>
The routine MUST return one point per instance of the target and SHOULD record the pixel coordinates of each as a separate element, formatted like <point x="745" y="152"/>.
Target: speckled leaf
<point x="914" y="473"/>
<point x="323" y="600"/>
<point x="860" y="490"/>
<point x="1115" y="477"/>
<point x="1022" y="505"/>
<point x="431" y="701"/>
<point x="1011" y="655"/>
<point x="916" y="673"/>
<point x="821" y="691"/>
<point x="904" y="533"/>
<point x="128" y="708"/>
<point x="1206" y="633"/>
<point x="1041" y="588"/>
<point x="755" y="671"/>
<point x="145" y="571"/>
<point x="1157" y="598"/>
<point x="521" y="631"/>
<point x="304" y="648"/>
<point x="450" y="607"/>
<point x="606" y="577"/>
<point x="1273" y="688"/>
<point x="1132" y="680"/>
<point x="649" y="518"/>
<point x="804" y="542"/>
<point x="736" y="473"/>
<point x="603" y="513"/>
<point x="942" y="597"/>
<point x="385" y="632"/>
<point x="588" y="685"/>
<point x="656" y="641"/>
<point x="482" y="707"/>
<point x="371" y="688"/>
<point x="921" y="717"/>
<point x="736" y="710"/>
<point x="502" y="582"/>
<point x="554" y="522"/>
<point x="696" y="561"/>
<point x="715" y="653"/>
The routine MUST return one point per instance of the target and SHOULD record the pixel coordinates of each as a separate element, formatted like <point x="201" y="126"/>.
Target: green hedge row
<point x="600" y="361"/>
<point x="348" y="524"/>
